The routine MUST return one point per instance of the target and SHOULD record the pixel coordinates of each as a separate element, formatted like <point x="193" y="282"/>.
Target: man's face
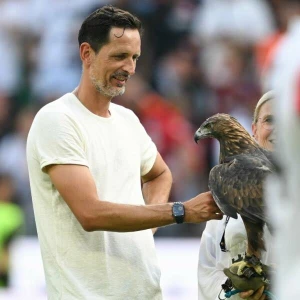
<point x="115" y="62"/>
<point x="263" y="130"/>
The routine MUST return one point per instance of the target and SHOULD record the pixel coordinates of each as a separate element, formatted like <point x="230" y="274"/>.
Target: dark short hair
<point x="96" y="27"/>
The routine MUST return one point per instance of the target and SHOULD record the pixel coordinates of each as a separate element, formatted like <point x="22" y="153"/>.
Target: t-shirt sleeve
<point x="58" y="140"/>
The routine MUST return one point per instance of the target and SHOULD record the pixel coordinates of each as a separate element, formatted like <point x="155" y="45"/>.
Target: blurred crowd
<point x="199" y="57"/>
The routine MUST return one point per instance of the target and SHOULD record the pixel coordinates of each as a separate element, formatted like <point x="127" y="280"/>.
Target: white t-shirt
<point x="117" y="150"/>
<point x="212" y="260"/>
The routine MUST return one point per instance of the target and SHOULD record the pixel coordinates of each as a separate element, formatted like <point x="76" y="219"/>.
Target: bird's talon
<point x="253" y="260"/>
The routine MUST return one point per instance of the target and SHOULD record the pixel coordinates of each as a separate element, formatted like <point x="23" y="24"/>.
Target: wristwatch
<point x="178" y="212"/>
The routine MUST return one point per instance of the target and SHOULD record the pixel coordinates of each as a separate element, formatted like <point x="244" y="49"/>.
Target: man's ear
<point x="86" y="53"/>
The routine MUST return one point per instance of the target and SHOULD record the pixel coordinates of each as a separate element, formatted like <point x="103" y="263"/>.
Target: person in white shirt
<point x="212" y="260"/>
<point x="87" y="158"/>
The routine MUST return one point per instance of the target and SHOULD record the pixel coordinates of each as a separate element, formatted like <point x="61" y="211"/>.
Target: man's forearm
<point x="117" y="217"/>
<point x="108" y="216"/>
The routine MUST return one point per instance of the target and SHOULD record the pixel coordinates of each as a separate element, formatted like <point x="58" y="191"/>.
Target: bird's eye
<point x="207" y="126"/>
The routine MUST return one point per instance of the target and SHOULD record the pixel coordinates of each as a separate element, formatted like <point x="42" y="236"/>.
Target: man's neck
<point x="95" y="102"/>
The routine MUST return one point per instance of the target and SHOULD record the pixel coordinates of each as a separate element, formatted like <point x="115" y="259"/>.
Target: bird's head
<point x="217" y="126"/>
<point x="233" y="137"/>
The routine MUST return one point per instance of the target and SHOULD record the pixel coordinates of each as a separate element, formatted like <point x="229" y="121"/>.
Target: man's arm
<point x="77" y="187"/>
<point x="157" y="183"/>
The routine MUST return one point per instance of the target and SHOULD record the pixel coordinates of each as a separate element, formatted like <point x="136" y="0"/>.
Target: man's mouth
<point x="121" y="79"/>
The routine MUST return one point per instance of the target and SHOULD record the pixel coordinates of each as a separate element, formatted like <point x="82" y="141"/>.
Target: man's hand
<point x="254" y="295"/>
<point x="201" y="208"/>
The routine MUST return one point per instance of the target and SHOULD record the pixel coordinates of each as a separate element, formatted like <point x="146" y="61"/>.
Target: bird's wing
<point x="237" y="186"/>
<point x="273" y="158"/>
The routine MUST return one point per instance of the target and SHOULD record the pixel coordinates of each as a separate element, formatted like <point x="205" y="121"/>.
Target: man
<point x="87" y="157"/>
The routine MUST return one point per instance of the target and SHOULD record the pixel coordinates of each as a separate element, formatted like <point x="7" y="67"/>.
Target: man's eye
<point x="119" y="57"/>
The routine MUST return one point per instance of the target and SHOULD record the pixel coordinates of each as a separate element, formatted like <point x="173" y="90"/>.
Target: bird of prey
<point x="237" y="181"/>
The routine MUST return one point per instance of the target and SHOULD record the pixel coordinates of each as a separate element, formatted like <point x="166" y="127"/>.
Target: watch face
<point x="178" y="210"/>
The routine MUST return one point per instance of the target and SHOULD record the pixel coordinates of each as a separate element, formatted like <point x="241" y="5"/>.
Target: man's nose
<point x="129" y="66"/>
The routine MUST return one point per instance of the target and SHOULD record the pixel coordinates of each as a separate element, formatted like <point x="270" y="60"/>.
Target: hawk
<point x="236" y="183"/>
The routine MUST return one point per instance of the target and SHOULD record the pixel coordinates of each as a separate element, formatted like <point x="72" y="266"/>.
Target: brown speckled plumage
<point x="237" y="181"/>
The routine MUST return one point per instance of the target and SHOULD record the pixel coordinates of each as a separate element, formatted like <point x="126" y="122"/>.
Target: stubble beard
<point x="106" y="89"/>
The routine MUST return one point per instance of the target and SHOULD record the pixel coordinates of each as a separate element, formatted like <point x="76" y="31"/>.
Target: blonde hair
<point x="265" y="97"/>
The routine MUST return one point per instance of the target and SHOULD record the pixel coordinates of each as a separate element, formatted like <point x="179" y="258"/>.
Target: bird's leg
<point x="251" y="260"/>
<point x="255" y="263"/>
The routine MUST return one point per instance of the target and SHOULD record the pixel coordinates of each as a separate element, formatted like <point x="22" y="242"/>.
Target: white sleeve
<point x="210" y="267"/>
<point x="57" y="139"/>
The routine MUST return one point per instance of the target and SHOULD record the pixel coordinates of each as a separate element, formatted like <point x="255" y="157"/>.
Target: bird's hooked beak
<point x="202" y="133"/>
<point x="196" y="137"/>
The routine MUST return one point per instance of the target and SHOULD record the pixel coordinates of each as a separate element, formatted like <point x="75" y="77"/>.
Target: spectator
<point x="11" y="221"/>
<point x="13" y="162"/>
